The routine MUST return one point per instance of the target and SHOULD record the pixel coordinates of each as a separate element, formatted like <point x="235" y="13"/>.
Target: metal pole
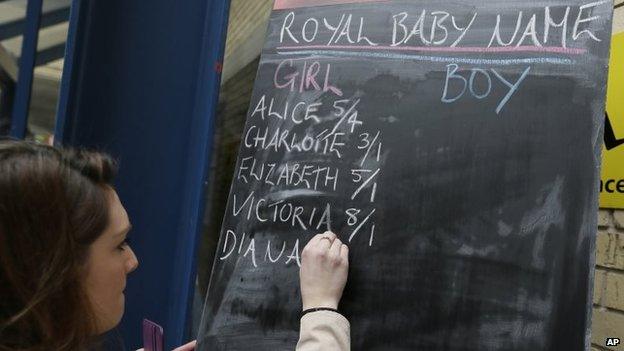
<point x="21" y="104"/>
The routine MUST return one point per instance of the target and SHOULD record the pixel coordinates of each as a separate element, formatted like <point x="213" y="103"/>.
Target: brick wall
<point x="245" y="17"/>
<point x="234" y="100"/>
<point x="246" y="33"/>
<point x="608" y="316"/>
<point x="245" y="36"/>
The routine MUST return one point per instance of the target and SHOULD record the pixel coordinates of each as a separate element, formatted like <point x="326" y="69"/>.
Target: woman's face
<point x="108" y="264"/>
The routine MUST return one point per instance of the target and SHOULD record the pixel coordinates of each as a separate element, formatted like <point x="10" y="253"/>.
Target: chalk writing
<point x="468" y="84"/>
<point x="318" y="136"/>
<point x="321" y="132"/>
<point x="439" y="27"/>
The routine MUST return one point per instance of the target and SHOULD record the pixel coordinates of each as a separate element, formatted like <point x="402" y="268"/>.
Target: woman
<point x="64" y="255"/>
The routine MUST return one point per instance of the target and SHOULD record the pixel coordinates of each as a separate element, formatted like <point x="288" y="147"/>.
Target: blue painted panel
<point x="140" y="84"/>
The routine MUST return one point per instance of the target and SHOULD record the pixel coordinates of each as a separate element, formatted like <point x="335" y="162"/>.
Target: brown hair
<point x="53" y="206"/>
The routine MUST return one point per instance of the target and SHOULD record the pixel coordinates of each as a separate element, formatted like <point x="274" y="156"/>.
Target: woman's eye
<point x="124" y="244"/>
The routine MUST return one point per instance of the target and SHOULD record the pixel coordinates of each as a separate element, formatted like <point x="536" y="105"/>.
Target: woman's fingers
<point x="187" y="347"/>
<point x="344" y="253"/>
<point x="323" y="271"/>
<point x="334" y="251"/>
<point x="318" y="245"/>
<point x="325" y="240"/>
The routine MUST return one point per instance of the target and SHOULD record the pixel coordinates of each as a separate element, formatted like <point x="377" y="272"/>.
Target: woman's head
<point x="63" y="254"/>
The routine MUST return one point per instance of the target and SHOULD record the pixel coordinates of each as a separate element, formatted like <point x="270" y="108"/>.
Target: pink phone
<point x="153" y="336"/>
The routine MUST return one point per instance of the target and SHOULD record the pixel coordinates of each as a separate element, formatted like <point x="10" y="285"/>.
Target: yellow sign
<point x="612" y="180"/>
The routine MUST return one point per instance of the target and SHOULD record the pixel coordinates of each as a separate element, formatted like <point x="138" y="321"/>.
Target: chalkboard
<point x="454" y="145"/>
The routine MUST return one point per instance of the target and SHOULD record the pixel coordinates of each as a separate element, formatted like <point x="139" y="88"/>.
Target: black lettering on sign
<point x="611" y="142"/>
<point x="612" y="186"/>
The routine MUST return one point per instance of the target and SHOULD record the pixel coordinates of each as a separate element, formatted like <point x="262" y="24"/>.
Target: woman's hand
<point x="187" y="347"/>
<point x="324" y="269"/>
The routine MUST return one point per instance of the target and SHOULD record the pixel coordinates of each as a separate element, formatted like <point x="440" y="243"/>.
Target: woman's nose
<point x="132" y="262"/>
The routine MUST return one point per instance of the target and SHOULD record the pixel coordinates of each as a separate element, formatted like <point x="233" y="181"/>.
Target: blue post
<point x="68" y="80"/>
<point x="141" y="82"/>
<point x="19" y="117"/>
<point x="201" y="139"/>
